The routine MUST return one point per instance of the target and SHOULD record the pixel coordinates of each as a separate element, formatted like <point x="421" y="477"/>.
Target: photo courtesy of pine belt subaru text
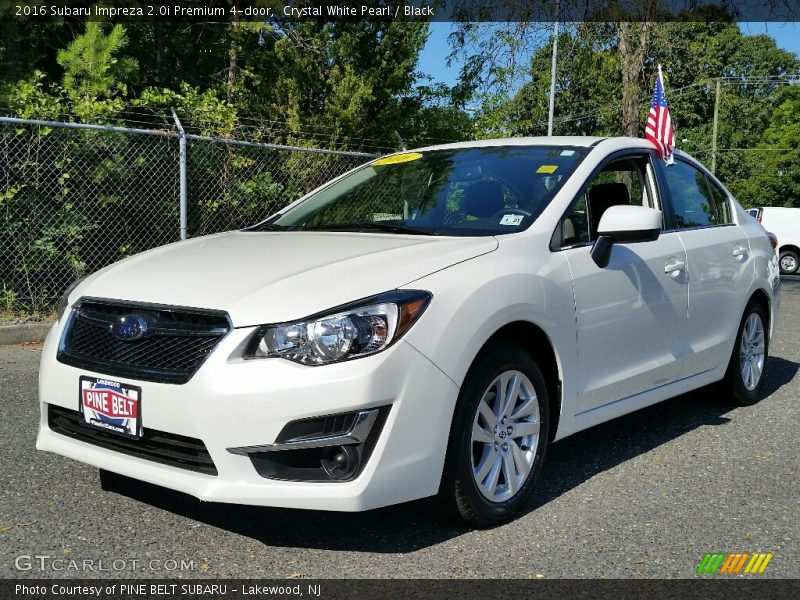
<point x="424" y="325"/>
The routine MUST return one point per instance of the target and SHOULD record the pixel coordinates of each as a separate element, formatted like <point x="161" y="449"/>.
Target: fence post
<point x="182" y="173"/>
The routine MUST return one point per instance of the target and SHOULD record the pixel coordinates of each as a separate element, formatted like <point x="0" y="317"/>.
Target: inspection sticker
<point x="547" y="169"/>
<point x="511" y="220"/>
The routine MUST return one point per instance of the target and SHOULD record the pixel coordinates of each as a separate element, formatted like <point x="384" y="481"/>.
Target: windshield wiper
<point x="367" y="226"/>
<point x="266" y="227"/>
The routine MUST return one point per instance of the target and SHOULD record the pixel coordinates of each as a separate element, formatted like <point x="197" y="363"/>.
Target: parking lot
<point x="646" y="495"/>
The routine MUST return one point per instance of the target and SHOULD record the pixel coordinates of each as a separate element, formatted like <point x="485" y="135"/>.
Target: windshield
<point x="470" y="191"/>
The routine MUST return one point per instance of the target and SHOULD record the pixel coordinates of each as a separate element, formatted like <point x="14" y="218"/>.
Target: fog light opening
<point x="340" y="462"/>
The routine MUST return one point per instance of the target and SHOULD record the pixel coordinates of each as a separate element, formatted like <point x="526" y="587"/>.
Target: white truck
<point x="785" y="224"/>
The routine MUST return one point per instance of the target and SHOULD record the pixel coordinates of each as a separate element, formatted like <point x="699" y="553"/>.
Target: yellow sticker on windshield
<point x="547" y="169"/>
<point x="397" y="158"/>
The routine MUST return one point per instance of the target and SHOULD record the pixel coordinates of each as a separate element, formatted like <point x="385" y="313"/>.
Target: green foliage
<point x="773" y="170"/>
<point x="431" y="117"/>
<point x="346" y="79"/>
<point x="212" y="115"/>
<point x="588" y="87"/>
<point x="9" y="299"/>
<point x="30" y="98"/>
<point x="94" y="75"/>
<point x="39" y="233"/>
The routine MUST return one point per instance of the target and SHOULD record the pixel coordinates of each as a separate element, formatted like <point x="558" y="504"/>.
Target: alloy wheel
<point x="751" y="351"/>
<point x="505" y="435"/>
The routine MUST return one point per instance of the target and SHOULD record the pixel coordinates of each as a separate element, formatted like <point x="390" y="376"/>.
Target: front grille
<point x="158" y="446"/>
<point x="176" y="342"/>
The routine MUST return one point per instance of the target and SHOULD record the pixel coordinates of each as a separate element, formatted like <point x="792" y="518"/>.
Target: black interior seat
<point x="603" y="196"/>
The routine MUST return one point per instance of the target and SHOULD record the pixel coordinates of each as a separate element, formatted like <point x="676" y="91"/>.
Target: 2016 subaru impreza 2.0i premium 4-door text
<point x="425" y="324"/>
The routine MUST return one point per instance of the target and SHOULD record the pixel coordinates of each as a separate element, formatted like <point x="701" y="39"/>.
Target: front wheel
<point x="744" y="377"/>
<point x="498" y="438"/>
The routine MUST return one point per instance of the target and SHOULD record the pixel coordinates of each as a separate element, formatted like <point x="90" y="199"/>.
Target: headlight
<point x="63" y="302"/>
<point x="352" y="331"/>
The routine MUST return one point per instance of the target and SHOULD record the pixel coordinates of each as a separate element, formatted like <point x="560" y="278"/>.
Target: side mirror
<point x="626" y="224"/>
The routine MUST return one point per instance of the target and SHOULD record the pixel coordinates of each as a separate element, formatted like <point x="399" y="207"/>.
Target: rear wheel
<point x="498" y="438"/>
<point x="789" y="261"/>
<point x="745" y="374"/>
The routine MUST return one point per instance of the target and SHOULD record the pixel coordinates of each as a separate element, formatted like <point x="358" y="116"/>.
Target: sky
<point x="432" y="59"/>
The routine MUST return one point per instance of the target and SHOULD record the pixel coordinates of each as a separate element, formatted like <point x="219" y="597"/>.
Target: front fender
<point x="474" y="299"/>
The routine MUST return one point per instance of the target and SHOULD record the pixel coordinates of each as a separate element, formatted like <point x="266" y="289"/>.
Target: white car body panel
<point x="718" y="279"/>
<point x="257" y="275"/>
<point x="766" y="271"/>
<point x="621" y="310"/>
<point x="624" y="337"/>
<point x="514" y="285"/>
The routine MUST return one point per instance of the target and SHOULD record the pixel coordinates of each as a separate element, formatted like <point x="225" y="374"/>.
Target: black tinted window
<point x="698" y="202"/>
<point x="721" y="205"/>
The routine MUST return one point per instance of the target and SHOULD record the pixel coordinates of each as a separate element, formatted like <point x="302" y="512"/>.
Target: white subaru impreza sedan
<point x="424" y="324"/>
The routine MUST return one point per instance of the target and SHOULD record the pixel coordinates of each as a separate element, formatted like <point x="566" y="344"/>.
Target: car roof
<point x="607" y="144"/>
<point x="584" y="141"/>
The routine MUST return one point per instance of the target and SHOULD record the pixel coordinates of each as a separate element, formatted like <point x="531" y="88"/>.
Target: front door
<point x="632" y="314"/>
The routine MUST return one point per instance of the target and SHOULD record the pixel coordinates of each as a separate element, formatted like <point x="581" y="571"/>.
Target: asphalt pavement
<point x="646" y="495"/>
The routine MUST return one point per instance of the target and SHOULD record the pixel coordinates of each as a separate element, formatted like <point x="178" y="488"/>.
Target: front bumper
<point x="231" y="403"/>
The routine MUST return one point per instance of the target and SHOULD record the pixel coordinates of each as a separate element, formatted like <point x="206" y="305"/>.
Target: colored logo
<point x="129" y="328"/>
<point x="723" y="563"/>
<point x="107" y="405"/>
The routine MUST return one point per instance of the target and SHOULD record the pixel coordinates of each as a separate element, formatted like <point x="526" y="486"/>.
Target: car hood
<point x="269" y="277"/>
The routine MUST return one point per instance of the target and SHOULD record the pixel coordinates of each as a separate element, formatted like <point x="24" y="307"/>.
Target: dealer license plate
<point x="111" y="406"/>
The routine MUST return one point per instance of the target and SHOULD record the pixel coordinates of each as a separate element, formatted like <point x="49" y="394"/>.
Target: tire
<point x="745" y="375"/>
<point x="479" y="449"/>
<point x="789" y="262"/>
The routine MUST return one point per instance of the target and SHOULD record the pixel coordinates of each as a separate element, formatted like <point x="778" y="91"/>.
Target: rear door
<point x="631" y="315"/>
<point x="719" y="265"/>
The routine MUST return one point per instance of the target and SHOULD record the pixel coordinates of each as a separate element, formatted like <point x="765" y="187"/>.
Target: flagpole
<point x="670" y="159"/>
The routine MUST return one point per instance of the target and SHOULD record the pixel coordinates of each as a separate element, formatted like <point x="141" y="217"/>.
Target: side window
<point x="697" y="201"/>
<point x="623" y="181"/>
<point x="721" y="208"/>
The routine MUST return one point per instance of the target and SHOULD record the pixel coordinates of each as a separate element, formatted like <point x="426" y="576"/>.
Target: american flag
<point x="659" y="126"/>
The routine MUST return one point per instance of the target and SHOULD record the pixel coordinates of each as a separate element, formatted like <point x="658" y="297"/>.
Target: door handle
<point x="739" y="251"/>
<point x="674" y="266"/>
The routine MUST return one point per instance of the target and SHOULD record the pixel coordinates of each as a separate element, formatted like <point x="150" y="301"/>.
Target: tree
<point x="588" y="86"/>
<point x="431" y="118"/>
<point x="774" y="168"/>
<point x="94" y="74"/>
<point x="345" y="78"/>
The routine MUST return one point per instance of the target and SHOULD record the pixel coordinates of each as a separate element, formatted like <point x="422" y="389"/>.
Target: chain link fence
<point x="75" y="198"/>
